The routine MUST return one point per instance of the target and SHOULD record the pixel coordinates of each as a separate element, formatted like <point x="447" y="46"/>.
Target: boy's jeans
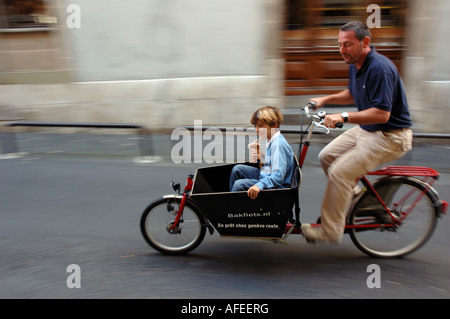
<point x="243" y="177"/>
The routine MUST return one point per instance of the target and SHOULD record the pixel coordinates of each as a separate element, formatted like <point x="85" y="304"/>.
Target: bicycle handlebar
<point x="319" y="118"/>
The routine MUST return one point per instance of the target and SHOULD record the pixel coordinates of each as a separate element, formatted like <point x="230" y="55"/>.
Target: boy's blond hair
<point x="268" y="114"/>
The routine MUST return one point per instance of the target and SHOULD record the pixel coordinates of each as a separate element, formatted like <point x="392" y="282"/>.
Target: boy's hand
<point x="253" y="192"/>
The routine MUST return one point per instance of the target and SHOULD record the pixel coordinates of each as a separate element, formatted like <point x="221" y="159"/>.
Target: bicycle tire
<point x="415" y="229"/>
<point x="158" y="217"/>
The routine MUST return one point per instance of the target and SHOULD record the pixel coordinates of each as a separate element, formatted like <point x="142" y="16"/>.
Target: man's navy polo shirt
<point x="378" y="84"/>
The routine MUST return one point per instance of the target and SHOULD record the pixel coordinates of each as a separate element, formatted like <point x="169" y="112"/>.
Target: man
<point x="383" y="134"/>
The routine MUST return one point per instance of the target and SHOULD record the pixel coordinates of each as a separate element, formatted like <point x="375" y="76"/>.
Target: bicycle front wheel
<point x="411" y="201"/>
<point x="157" y="221"/>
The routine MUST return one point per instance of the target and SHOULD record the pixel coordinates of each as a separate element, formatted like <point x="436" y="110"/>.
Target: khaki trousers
<point x="346" y="159"/>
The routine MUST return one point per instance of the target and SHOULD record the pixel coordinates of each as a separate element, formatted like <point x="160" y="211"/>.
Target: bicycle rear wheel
<point x="411" y="201"/>
<point x="157" y="221"/>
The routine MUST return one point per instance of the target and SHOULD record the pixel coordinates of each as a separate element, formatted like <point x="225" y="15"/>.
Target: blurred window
<point x="297" y="14"/>
<point x="332" y="14"/>
<point x="313" y="64"/>
<point x="25" y="14"/>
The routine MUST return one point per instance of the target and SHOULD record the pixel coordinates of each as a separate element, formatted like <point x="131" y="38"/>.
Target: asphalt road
<point x="59" y="209"/>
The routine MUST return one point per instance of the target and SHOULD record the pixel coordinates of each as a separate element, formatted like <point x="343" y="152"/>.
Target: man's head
<point x="354" y="40"/>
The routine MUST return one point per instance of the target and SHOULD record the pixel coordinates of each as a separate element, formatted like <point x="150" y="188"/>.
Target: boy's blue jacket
<point x="279" y="164"/>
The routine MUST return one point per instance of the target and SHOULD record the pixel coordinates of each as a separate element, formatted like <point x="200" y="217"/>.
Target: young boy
<point x="277" y="166"/>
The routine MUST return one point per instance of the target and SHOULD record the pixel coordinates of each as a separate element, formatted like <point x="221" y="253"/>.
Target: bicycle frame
<point x="184" y="198"/>
<point x="430" y="174"/>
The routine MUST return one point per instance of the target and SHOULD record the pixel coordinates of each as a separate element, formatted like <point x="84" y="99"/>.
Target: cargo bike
<point x="392" y="216"/>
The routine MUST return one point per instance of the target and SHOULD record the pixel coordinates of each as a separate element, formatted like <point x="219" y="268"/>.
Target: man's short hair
<point x="361" y="29"/>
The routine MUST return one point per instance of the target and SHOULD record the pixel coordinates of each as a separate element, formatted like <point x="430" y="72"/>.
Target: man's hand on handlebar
<point x="333" y="121"/>
<point x="317" y="102"/>
<point x="322" y="118"/>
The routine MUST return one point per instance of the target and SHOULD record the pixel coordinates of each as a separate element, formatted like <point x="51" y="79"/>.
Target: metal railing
<point x="297" y="131"/>
<point x="10" y="146"/>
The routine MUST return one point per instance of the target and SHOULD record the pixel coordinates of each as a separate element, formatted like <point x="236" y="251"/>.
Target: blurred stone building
<point x="168" y="63"/>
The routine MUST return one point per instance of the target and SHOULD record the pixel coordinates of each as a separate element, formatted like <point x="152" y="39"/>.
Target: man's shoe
<point x="306" y="228"/>
<point x="316" y="235"/>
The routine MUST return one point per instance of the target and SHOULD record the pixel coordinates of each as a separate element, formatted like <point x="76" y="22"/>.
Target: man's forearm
<point x="343" y="97"/>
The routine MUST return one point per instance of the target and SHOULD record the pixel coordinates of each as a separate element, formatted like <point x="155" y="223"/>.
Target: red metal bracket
<point x="406" y="171"/>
